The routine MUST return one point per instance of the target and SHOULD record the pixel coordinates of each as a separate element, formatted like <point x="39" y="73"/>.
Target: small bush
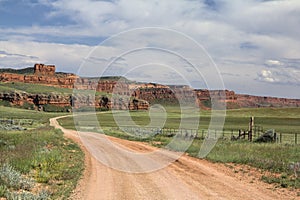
<point x="52" y="108"/>
<point x="3" y="190"/>
<point x="5" y="103"/>
<point x="43" y="195"/>
<point x="29" y="106"/>
<point x="12" y="178"/>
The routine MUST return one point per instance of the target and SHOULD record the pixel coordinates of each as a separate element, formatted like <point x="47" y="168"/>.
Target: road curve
<point x="185" y="178"/>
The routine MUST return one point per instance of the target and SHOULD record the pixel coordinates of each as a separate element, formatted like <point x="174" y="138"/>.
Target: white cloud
<point x="273" y="62"/>
<point x="275" y="17"/>
<point x="281" y="72"/>
<point x="266" y="75"/>
<point x="26" y="53"/>
<point x="256" y="40"/>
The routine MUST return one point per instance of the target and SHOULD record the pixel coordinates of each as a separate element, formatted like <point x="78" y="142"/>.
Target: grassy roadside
<point x="37" y="163"/>
<point x="273" y="158"/>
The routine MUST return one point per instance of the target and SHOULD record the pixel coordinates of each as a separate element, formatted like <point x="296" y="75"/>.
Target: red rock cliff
<point x="43" y="74"/>
<point x="151" y="92"/>
<point x="44" y="70"/>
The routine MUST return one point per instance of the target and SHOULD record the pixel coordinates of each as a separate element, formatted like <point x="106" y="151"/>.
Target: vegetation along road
<point x="185" y="178"/>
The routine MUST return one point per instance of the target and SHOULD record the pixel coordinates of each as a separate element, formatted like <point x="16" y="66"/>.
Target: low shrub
<point x="5" y="103"/>
<point x="43" y="195"/>
<point x="41" y="158"/>
<point x="3" y="190"/>
<point x="53" y="108"/>
<point x="14" y="179"/>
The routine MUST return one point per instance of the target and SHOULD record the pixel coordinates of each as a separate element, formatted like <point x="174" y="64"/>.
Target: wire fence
<point x="226" y="134"/>
<point x="15" y="124"/>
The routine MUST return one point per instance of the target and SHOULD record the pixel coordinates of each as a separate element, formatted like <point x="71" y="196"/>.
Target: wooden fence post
<point x="280" y="137"/>
<point x="251" y="126"/>
<point x="296" y="138"/>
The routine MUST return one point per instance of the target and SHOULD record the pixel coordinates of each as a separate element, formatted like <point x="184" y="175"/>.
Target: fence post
<point x="202" y="134"/>
<point x="251" y="126"/>
<point x="295" y="138"/>
<point x="280" y="137"/>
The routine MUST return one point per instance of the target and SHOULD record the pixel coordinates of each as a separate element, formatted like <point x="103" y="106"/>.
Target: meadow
<point x="285" y="120"/>
<point x="32" y="88"/>
<point x="271" y="157"/>
<point x="43" y="89"/>
<point x="37" y="163"/>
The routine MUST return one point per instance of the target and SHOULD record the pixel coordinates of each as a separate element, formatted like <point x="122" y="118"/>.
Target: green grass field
<point x="32" y="88"/>
<point x="273" y="157"/>
<point x="40" y="118"/>
<point x="285" y="120"/>
<point x="38" y="163"/>
<point x="42" y="89"/>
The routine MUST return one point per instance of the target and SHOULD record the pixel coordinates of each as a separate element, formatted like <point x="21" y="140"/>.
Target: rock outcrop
<point x="39" y="101"/>
<point x="43" y="74"/>
<point x="234" y="100"/>
<point x="149" y="92"/>
<point x="44" y="70"/>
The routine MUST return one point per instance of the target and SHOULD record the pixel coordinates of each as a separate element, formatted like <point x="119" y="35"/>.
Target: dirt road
<point x="108" y="174"/>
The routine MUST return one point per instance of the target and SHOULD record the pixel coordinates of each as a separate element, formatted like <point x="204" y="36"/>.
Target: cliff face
<point x="120" y="87"/>
<point x="44" y="70"/>
<point x="39" y="101"/>
<point x="149" y="92"/>
<point x="119" y="103"/>
<point x="245" y="101"/>
<point x="258" y="101"/>
<point x="43" y="74"/>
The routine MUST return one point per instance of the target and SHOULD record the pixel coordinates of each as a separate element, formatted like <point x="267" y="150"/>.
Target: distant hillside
<point x="44" y="79"/>
<point x="109" y="78"/>
<point x="29" y="70"/>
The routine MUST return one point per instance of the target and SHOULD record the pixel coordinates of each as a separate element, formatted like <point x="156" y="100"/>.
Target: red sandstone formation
<point x="44" y="70"/>
<point x="149" y="92"/>
<point x="43" y="74"/>
<point x="77" y="101"/>
<point x="246" y="101"/>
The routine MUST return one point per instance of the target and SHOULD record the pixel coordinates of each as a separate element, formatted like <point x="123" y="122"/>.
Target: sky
<point x="251" y="46"/>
